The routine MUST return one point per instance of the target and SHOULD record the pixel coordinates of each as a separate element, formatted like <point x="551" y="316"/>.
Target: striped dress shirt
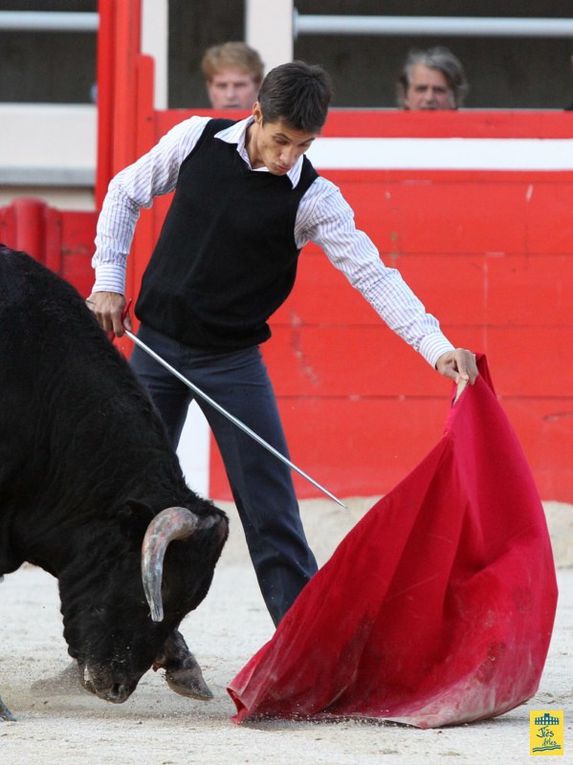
<point x="323" y="217"/>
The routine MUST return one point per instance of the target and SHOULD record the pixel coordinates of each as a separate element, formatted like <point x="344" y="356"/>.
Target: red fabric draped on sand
<point x="437" y="608"/>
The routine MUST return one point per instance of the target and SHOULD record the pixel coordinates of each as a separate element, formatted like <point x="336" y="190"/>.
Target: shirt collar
<point x="237" y="133"/>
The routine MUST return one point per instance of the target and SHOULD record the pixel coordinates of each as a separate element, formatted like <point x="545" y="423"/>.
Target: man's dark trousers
<point x="261" y="484"/>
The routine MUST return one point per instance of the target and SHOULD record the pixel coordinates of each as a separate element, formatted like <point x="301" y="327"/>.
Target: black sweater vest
<point x="226" y="257"/>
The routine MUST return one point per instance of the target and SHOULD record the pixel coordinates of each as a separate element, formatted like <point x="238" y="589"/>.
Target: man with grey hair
<point x="432" y="79"/>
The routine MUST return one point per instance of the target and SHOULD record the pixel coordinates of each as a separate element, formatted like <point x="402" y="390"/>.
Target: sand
<point x="157" y="727"/>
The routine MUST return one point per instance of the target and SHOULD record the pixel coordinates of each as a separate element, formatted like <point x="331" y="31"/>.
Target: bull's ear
<point x="134" y="518"/>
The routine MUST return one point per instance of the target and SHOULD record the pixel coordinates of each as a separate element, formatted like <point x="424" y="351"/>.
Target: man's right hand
<point x="108" y="308"/>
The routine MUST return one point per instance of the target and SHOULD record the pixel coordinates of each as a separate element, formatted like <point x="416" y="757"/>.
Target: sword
<point x="229" y="416"/>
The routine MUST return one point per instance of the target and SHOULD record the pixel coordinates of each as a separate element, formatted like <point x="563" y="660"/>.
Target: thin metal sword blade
<point x="229" y="416"/>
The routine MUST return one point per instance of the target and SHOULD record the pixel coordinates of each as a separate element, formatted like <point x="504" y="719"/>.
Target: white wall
<point x="48" y="150"/>
<point x="269" y="29"/>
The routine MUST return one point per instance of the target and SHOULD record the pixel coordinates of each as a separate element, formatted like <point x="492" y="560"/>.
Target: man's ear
<point x="134" y="518"/>
<point x="257" y="113"/>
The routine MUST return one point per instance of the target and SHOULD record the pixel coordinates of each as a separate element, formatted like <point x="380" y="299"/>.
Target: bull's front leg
<point x="182" y="673"/>
<point x="5" y="713"/>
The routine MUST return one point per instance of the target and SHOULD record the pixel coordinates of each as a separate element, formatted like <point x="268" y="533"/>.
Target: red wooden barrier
<point x="489" y="251"/>
<point x="61" y="240"/>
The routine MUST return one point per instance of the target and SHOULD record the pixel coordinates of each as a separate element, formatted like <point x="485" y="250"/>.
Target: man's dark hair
<point x="298" y="94"/>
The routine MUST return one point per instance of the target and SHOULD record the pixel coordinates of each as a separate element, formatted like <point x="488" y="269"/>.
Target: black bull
<point x="88" y="477"/>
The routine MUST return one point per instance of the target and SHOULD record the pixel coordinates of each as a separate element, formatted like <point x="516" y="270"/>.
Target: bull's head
<point x="120" y="607"/>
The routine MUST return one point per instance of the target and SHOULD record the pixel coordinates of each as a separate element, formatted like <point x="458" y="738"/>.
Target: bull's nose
<point x="117" y="694"/>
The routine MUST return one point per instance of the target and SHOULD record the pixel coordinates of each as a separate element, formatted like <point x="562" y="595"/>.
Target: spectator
<point x="233" y="73"/>
<point x="431" y="79"/>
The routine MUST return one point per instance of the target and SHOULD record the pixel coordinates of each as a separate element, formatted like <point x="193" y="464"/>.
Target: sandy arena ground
<point x="157" y="727"/>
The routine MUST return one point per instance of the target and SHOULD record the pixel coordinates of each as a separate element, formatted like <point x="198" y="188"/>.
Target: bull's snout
<point x="102" y="685"/>
<point x="117" y="694"/>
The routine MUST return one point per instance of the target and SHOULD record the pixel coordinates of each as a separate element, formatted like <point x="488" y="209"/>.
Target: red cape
<point x="437" y="608"/>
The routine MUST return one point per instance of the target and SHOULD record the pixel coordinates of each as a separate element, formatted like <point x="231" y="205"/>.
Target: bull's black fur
<point x="85" y="463"/>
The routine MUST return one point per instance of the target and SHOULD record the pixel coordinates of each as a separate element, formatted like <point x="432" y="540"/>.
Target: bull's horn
<point x="171" y="523"/>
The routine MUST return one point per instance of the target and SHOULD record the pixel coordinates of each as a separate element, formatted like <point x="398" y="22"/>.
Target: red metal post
<point x="127" y="49"/>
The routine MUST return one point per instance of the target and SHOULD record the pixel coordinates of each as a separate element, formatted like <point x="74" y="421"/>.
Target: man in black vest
<point x="246" y="201"/>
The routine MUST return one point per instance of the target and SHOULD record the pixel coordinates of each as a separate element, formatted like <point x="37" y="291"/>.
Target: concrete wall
<point x="48" y="150"/>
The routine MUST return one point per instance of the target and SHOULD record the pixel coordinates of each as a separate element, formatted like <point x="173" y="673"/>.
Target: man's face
<point x="428" y="89"/>
<point x="275" y="145"/>
<point x="232" y="89"/>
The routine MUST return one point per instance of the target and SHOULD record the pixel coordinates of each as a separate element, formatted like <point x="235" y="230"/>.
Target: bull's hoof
<point x="5" y="713"/>
<point x="190" y="683"/>
<point x="182" y="672"/>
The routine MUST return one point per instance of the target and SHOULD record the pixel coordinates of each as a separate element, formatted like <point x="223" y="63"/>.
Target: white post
<point x="155" y="42"/>
<point x="194" y="451"/>
<point x="269" y="29"/>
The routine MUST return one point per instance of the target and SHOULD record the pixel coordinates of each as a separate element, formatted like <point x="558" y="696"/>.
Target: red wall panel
<point x="492" y="256"/>
<point x="355" y="446"/>
<point x="62" y="240"/>
<point x="431" y="213"/>
<point x="488" y="251"/>
<point x="78" y="232"/>
<point x="371" y="361"/>
<point x="348" y="361"/>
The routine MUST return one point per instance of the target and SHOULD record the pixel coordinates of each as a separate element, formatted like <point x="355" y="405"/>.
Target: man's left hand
<point x="459" y="365"/>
